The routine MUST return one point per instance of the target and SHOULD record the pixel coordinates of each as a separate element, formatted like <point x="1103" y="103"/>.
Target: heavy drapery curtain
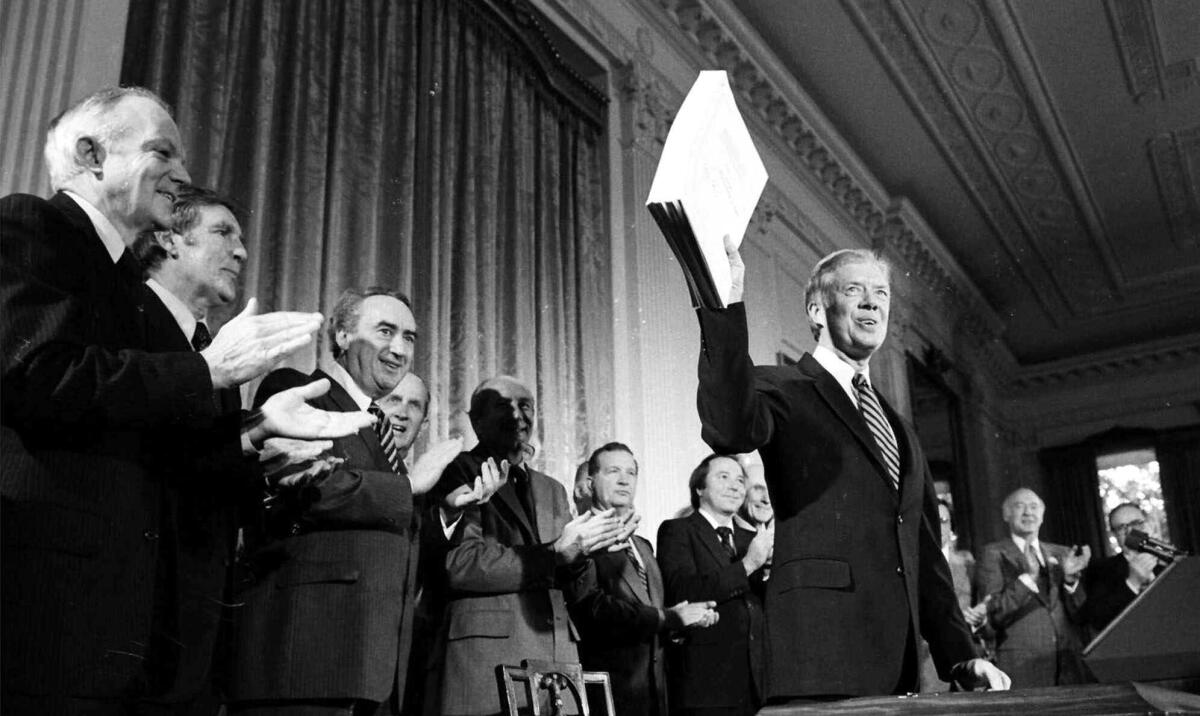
<point x="409" y="143"/>
<point x="1074" y="513"/>
<point x="1179" y="469"/>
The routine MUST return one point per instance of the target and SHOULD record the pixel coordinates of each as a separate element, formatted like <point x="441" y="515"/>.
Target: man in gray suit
<point x="1034" y="597"/>
<point x="514" y="563"/>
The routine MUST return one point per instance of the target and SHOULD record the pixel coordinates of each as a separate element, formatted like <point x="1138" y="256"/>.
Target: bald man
<point x="1035" y="598"/>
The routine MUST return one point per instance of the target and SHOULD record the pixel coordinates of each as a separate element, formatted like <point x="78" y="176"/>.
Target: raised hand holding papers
<point x="708" y="181"/>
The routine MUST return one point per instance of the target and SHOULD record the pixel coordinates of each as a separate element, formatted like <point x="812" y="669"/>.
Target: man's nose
<point x="179" y="173"/>
<point x="239" y="250"/>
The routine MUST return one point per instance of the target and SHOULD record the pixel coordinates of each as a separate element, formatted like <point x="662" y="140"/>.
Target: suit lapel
<point x="841" y="405"/>
<point x="708" y="537"/>
<point x="630" y="576"/>
<point x="1008" y="549"/>
<point x="653" y="575"/>
<point x="338" y="396"/>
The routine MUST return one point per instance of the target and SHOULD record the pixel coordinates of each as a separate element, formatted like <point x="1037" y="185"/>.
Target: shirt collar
<point x="179" y="310"/>
<point x="113" y="243"/>
<point x="338" y="373"/>
<point x="1020" y="542"/>
<point x="716" y="520"/>
<point x="842" y="371"/>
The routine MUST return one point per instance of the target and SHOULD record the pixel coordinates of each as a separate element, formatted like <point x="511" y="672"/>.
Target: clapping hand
<point x="251" y="344"/>
<point x="287" y="414"/>
<point x="287" y="462"/>
<point x="1073" y="564"/>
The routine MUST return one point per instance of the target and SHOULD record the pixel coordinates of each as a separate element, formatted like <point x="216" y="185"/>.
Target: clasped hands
<point x="593" y="531"/>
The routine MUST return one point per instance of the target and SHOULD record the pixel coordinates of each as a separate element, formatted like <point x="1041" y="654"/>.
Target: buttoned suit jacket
<point x="1037" y="642"/>
<point x="328" y="610"/>
<point x="718" y="666"/>
<point x="507" y="598"/>
<point x="82" y="507"/>
<point x="1107" y="592"/>
<point x="622" y="631"/>
<point x="856" y="564"/>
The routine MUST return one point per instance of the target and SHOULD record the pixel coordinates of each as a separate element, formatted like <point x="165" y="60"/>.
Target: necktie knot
<point x="201" y="338"/>
<point x="726" y="536"/>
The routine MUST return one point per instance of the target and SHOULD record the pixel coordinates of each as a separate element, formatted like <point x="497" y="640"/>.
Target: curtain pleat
<point x="1074" y="513"/>
<point x="1179" y="469"/>
<point x="414" y="144"/>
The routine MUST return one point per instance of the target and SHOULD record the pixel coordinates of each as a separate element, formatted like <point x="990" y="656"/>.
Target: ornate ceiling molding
<point x="950" y="59"/>
<point x="1153" y="357"/>
<point x="1176" y="160"/>
<point x="889" y="225"/>
<point x="1147" y="72"/>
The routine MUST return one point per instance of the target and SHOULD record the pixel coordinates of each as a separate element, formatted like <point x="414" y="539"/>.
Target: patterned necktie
<point x="726" y="535"/>
<point x="201" y="338"/>
<point x="872" y="412"/>
<point x="631" y="552"/>
<point x="383" y="429"/>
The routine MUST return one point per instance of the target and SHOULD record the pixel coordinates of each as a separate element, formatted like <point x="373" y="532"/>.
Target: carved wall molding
<point x="1147" y="73"/>
<point x="649" y="103"/>
<point x="1175" y="157"/>
<point x="1153" y="357"/>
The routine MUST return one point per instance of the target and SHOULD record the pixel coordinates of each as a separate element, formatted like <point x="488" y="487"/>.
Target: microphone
<point x="1139" y="541"/>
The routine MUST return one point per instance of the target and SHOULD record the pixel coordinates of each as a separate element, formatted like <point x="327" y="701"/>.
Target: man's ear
<point x="816" y="314"/>
<point x="169" y="241"/>
<point x="342" y="338"/>
<point x="90" y="154"/>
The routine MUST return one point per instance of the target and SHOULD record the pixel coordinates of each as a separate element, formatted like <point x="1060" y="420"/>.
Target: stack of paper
<point x="709" y="180"/>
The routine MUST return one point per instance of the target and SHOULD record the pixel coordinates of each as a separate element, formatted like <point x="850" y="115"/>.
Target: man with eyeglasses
<point x="1113" y="582"/>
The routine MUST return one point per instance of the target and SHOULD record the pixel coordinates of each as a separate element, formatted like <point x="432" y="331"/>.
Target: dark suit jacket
<point x="720" y="666"/>
<point x="1036" y="642"/>
<point x="1107" y="592"/>
<point x="83" y="508"/>
<point x="856" y="565"/>
<point x="213" y="481"/>
<point x="622" y="632"/>
<point x="328" y="611"/>
<point x="508" y="599"/>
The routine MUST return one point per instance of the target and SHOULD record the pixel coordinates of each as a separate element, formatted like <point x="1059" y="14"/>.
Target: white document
<point x="711" y="173"/>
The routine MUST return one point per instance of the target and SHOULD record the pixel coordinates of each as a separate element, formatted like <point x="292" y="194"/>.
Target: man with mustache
<point x="1034" y="598"/>
<point x="857" y="575"/>
<point x="88" y="391"/>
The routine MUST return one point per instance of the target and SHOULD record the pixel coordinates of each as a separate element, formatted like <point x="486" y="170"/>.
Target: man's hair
<point x="821" y="288"/>
<point x="91" y="116"/>
<point x="1122" y="506"/>
<point x="185" y="214"/>
<point x="474" y="408"/>
<point x="593" y="462"/>
<point x="345" y="312"/>
<point x="700" y="477"/>
<point x="1008" y="500"/>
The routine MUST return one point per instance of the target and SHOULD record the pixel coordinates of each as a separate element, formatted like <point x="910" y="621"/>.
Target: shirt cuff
<point x="248" y="448"/>
<point x="1133" y="587"/>
<point x="448" y="529"/>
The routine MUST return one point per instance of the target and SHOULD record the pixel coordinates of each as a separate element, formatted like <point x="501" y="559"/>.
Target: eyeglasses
<point x="1133" y="524"/>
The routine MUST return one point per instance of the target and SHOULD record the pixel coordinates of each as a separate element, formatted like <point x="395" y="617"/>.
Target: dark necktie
<point x="383" y="430"/>
<point x="726" y="536"/>
<point x="129" y="268"/>
<point x="201" y="338"/>
<point x="881" y="429"/>
<point x="520" y="482"/>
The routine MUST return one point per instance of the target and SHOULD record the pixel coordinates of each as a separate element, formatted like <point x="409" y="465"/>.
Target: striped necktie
<point x="872" y="412"/>
<point x="631" y="552"/>
<point x="383" y="430"/>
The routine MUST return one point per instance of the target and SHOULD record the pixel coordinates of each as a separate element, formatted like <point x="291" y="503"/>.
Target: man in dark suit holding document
<point x="858" y="576"/>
